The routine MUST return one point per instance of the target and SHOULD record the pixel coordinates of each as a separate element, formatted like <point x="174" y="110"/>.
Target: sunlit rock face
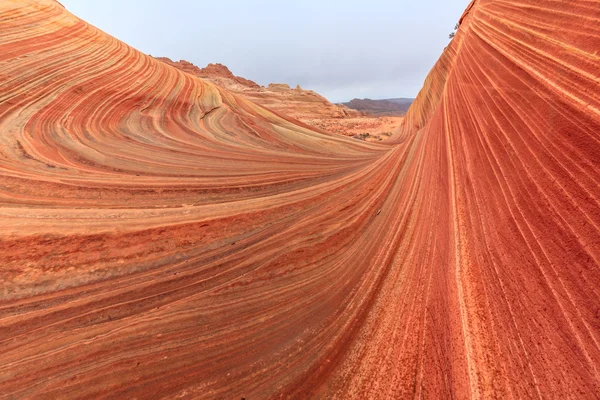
<point x="161" y="236"/>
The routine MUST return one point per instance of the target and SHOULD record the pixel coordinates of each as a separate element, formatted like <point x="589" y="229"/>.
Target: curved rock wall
<point x="163" y="237"/>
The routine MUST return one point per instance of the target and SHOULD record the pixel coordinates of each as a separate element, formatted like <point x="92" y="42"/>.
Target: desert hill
<point x="392" y="107"/>
<point x="295" y="102"/>
<point x="217" y="73"/>
<point x="303" y="105"/>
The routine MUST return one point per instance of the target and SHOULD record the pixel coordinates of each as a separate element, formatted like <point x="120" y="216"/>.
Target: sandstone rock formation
<point x="304" y="105"/>
<point x="216" y="73"/>
<point x="164" y="237"/>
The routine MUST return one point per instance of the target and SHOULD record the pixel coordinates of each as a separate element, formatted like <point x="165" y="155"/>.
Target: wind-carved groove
<point x="23" y="152"/>
<point x="207" y="113"/>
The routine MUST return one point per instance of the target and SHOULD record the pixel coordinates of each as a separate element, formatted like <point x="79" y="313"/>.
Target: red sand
<point x="163" y="237"/>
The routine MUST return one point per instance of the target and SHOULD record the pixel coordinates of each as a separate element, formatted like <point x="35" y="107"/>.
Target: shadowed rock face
<point x="161" y="236"/>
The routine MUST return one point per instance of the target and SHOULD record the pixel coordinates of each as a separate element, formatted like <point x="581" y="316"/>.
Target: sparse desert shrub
<point x="451" y="35"/>
<point x="362" y="136"/>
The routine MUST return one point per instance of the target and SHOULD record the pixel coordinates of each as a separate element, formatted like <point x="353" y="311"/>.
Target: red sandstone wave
<point x="163" y="237"/>
<point x="279" y="97"/>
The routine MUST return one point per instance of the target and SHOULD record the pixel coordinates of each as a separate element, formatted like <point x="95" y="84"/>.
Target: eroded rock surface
<point x="162" y="236"/>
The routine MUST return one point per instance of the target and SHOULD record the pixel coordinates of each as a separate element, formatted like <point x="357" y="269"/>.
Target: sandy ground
<point x="364" y="127"/>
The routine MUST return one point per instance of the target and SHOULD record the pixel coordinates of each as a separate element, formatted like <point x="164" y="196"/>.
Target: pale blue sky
<point x="340" y="48"/>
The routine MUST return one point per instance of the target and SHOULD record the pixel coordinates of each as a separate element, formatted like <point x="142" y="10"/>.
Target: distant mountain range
<point x="397" y="106"/>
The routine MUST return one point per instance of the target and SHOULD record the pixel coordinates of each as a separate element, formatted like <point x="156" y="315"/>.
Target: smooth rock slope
<point x="161" y="236"/>
<point x="305" y="106"/>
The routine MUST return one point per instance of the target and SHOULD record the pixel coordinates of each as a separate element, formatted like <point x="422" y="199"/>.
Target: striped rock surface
<point x="163" y="237"/>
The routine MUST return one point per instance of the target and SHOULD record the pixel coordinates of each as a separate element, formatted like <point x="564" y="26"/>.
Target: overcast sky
<point x="340" y="48"/>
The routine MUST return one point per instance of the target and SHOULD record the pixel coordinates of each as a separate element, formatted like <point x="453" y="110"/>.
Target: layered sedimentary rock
<point x="216" y="73"/>
<point x="306" y="106"/>
<point x="280" y="97"/>
<point x="161" y="236"/>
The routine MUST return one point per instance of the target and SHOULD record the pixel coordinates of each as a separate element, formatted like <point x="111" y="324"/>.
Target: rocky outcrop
<point x="278" y="86"/>
<point x="218" y="73"/>
<point x="304" y="105"/>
